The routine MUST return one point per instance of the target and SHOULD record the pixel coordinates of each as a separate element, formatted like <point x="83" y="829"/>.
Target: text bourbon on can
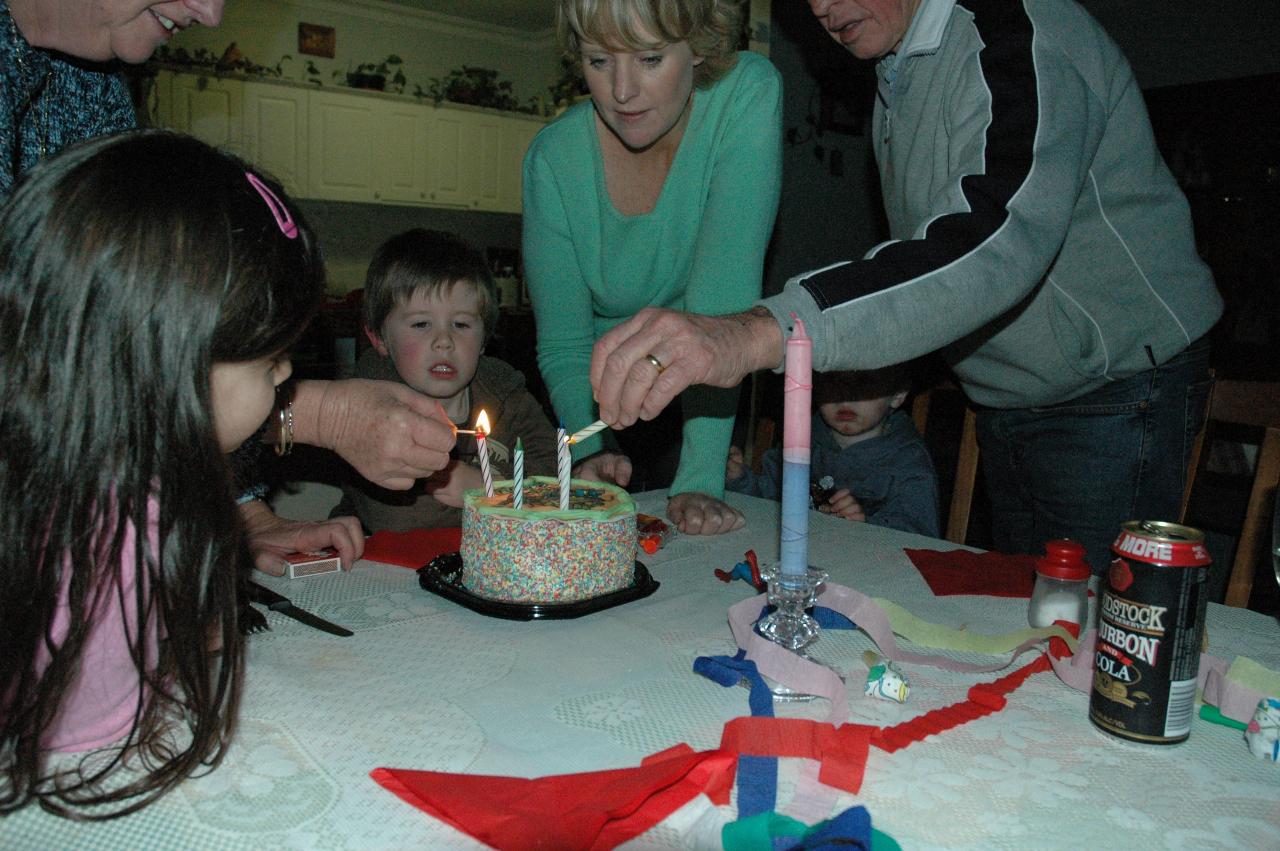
<point x="1150" y="625"/>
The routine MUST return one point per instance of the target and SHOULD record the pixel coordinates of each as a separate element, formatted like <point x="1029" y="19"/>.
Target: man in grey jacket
<point x="1039" y="243"/>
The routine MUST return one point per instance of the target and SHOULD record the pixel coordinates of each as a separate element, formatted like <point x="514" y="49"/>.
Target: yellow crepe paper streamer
<point x="941" y="637"/>
<point x="1250" y="674"/>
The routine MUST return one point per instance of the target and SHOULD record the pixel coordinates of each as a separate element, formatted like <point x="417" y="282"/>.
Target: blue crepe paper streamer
<point x="757" y="775"/>
<point x="850" y="829"/>
<point x="826" y="618"/>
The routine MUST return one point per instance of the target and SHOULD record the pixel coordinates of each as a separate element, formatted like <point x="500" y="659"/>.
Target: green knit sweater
<point x="701" y="248"/>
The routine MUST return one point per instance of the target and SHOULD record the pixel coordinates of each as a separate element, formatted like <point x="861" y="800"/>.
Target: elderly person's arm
<point x="981" y="255"/>
<point x="389" y="433"/>
<point x="716" y="350"/>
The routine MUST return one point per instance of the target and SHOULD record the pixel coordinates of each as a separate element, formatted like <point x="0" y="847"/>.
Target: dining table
<point x="427" y="684"/>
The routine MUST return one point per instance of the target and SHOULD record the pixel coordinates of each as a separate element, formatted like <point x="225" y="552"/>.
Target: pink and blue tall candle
<point x="797" y="394"/>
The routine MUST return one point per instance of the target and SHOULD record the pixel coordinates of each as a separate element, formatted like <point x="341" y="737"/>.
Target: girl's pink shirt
<point x="102" y="698"/>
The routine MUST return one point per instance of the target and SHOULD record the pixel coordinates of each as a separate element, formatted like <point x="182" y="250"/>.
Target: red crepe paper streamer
<point x="414" y="548"/>
<point x="602" y="809"/>
<point x="841" y="751"/>
<point x="962" y="572"/>
<point x="983" y="699"/>
<point x="565" y="812"/>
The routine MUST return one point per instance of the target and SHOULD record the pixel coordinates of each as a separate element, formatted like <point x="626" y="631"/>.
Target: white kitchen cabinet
<point x="209" y="108"/>
<point x="402" y="153"/>
<point x="342" y="145"/>
<point x="343" y="139"/>
<point x="368" y="149"/>
<point x="517" y="133"/>
<point x="465" y="151"/>
<point x="276" y="134"/>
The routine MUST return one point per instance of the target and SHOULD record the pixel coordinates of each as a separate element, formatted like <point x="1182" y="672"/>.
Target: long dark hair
<point x="128" y="266"/>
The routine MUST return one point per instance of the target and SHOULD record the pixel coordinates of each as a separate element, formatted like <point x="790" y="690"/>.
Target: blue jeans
<point x="1080" y="468"/>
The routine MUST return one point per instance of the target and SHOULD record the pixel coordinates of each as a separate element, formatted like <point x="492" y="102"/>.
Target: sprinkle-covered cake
<point x="540" y="554"/>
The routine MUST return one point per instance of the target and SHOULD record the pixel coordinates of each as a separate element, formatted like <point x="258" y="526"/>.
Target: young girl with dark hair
<point x="150" y="288"/>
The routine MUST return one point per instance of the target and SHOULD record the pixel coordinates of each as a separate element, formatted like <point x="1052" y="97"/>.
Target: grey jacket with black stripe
<point x="1038" y="238"/>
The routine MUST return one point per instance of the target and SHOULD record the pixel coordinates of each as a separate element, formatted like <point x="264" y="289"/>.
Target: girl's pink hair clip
<point x="278" y="210"/>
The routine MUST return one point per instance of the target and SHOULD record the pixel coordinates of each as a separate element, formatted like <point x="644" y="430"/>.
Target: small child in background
<point x="150" y="289"/>
<point x="866" y="458"/>
<point x="430" y="306"/>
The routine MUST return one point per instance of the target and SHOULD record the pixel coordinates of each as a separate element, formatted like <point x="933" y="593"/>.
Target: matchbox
<point x="313" y="563"/>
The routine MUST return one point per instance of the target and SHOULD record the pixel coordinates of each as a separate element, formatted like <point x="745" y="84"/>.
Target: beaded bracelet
<point x="285" y="444"/>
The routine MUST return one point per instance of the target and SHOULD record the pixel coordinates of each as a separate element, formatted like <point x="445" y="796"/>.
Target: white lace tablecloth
<point x="426" y="684"/>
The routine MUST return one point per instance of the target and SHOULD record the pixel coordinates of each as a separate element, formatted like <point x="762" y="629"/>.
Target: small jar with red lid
<point x="1062" y="586"/>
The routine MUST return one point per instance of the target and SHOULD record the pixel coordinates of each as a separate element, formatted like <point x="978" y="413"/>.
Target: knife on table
<point x="279" y="603"/>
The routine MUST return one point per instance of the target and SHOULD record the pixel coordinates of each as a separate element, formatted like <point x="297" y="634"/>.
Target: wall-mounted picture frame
<point x="316" y="40"/>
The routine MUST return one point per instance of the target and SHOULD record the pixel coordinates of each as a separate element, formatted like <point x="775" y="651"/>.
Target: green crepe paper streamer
<point x="1248" y="673"/>
<point x="927" y="634"/>
<point x="1251" y="675"/>
<point x="757" y="833"/>
<point x="1210" y="713"/>
<point x="881" y="841"/>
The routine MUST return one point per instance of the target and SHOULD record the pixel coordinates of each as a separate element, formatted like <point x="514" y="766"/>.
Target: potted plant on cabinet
<point x="374" y="75"/>
<point x="473" y="86"/>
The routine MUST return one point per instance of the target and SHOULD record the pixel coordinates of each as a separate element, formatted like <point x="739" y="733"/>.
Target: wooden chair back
<point x="762" y="439"/>
<point x="966" y="476"/>
<point x="1254" y="404"/>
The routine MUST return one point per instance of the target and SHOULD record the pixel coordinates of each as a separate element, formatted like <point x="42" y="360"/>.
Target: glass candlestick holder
<point x="790" y="625"/>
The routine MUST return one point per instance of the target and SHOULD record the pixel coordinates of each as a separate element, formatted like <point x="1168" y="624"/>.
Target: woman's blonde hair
<point x="710" y="27"/>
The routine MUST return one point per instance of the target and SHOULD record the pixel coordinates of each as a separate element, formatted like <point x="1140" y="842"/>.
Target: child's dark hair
<point x="850" y="385"/>
<point x="128" y="266"/>
<point x="430" y="260"/>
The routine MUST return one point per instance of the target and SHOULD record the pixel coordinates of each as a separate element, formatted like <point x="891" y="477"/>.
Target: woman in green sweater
<point x="660" y="191"/>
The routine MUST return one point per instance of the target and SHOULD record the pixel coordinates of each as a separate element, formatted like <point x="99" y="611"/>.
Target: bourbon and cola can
<point x="1150" y="625"/>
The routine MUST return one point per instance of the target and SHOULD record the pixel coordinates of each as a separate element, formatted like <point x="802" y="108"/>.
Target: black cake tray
<point x="443" y="576"/>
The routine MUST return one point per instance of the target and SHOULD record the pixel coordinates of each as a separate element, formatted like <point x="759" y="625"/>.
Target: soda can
<point x="1150" y="625"/>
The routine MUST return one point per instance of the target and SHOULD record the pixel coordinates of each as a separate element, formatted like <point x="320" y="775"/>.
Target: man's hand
<point x="608" y="467"/>
<point x="699" y="514"/>
<point x="692" y="349"/>
<point x="389" y="433"/>
<point x="842" y="504"/>
<point x="272" y="537"/>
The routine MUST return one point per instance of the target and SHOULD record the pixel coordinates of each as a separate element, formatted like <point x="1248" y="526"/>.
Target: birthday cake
<point x="541" y="554"/>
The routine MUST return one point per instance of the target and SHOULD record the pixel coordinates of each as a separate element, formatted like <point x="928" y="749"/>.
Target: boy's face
<point x="855" y="406"/>
<point x="860" y="418"/>
<point x="435" y="340"/>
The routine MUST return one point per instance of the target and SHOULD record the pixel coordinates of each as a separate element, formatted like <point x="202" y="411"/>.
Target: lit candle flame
<point x="482" y="432"/>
